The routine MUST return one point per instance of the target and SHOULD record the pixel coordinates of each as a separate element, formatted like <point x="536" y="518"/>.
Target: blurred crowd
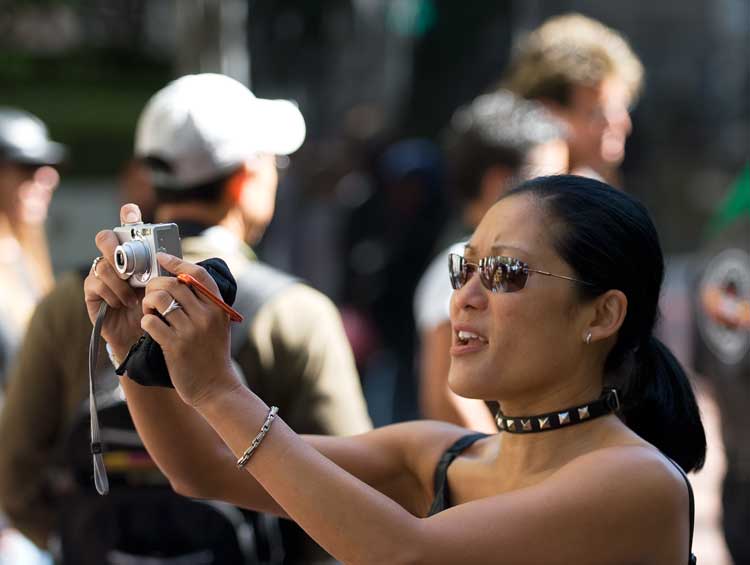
<point x="349" y="323"/>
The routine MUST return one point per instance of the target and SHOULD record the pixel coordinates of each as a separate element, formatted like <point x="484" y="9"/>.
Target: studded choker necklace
<point x="607" y="403"/>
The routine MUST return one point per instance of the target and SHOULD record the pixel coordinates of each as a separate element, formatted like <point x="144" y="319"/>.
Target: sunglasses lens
<point x="502" y="274"/>
<point x="456" y="270"/>
<point x="515" y="276"/>
<point x="498" y="274"/>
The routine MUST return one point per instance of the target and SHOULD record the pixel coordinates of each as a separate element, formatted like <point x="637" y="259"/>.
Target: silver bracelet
<point x="242" y="461"/>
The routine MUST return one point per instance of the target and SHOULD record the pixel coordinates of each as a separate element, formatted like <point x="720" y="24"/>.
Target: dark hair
<point x="209" y="191"/>
<point x="495" y="129"/>
<point x="608" y="238"/>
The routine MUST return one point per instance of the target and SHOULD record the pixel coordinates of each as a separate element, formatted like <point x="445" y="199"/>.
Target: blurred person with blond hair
<point x="587" y="75"/>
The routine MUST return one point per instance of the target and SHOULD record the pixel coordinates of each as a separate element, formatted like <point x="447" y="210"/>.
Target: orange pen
<point x="200" y="287"/>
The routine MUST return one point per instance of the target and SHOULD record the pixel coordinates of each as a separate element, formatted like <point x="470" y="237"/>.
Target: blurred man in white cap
<point x="210" y="146"/>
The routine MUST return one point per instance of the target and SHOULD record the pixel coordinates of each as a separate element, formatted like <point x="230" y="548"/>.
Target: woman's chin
<point x="463" y="386"/>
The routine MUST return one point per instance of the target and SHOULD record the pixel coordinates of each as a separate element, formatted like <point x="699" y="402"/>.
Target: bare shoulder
<point x="399" y="460"/>
<point x="409" y="445"/>
<point x="422" y="443"/>
<point x="634" y="488"/>
<point x="421" y="440"/>
<point x="640" y="468"/>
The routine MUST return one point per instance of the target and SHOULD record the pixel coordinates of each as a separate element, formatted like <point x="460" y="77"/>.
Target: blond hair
<point x="567" y="51"/>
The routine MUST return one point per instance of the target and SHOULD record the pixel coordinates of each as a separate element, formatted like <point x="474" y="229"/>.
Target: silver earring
<point x="588" y="338"/>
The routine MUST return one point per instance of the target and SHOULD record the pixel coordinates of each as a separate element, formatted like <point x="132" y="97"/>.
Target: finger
<point x="176" y="266"/>
<point x="106" y="242"/>
<point x="95" y="291"/>
<point x="130" y="214"/>
<point x="179" y="291"/>
<point x="159" y="301"/>
<point x="158" y="329"/>
<point x="106" y="274"/>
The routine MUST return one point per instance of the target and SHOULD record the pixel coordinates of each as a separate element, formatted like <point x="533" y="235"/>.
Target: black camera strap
<point x="100" y="472"/>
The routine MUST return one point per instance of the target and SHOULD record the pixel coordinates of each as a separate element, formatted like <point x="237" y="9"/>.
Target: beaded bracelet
<point x="242" y="461"/>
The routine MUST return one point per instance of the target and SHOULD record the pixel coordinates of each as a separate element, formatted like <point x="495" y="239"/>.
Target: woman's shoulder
<point x="421" y="443"/>
<point x="429" y="435"/>
<point x="638" y="463"/>
<point x="634" y="481"/>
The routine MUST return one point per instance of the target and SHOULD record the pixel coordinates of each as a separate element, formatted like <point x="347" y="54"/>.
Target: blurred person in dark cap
<point x="588" y="75"/>
<point x="209" y="148"/>
<point x="27" y="180"/>
<point x="491" y="144"/>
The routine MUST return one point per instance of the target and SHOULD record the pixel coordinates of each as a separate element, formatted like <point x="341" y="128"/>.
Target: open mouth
<point x="464" y="338"/>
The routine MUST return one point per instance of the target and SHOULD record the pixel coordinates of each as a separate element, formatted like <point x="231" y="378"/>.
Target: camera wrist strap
<point x="100" y="472"/>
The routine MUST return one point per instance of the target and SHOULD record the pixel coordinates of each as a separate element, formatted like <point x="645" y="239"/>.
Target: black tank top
<point x="442" y="491"/>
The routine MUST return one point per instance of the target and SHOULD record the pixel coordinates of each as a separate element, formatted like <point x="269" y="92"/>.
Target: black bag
<point x="142" y="520"/>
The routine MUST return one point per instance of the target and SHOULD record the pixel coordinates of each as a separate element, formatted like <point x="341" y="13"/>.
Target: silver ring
<point x="94" y="264"/>
<point x="174" y="305"/>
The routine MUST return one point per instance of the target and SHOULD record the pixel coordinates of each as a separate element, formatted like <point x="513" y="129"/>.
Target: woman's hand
<point x="122" y="325"/>
<point x="194" y="338"/>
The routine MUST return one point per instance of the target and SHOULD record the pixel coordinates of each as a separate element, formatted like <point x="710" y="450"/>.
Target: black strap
<point x="442" y="494"/>
<point x="693" y="559"/>
<point x="257" y="283"/>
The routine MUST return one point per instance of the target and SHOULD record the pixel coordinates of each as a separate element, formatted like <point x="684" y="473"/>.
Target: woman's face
<point x="528" y="340"/>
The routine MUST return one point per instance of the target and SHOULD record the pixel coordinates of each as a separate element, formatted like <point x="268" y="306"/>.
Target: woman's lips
<point x="458" y="349"/>
<point x="466" y="340"/>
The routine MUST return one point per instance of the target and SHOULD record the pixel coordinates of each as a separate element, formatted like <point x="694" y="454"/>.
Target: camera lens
<point x="132" y="258"/>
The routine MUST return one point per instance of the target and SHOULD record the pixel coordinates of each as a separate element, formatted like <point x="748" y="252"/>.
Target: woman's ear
<point x="609" y="313"/>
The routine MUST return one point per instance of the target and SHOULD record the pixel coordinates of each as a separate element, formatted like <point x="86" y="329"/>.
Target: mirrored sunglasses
<point x="497" y="273"/>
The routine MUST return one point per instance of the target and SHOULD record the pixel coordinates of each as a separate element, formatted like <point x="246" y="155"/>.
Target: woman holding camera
<point x="555" y="301"/>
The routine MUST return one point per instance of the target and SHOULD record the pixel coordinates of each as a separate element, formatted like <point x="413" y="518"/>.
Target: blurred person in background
<point x="720" y="295"/>
<point x="209" y="146"/>
<point x="389" y="237"/>
<point x="490" y="145"/>
<point x="27" y="180"/>
<point x="47" y="387"/>
<point x="587" y="75"/>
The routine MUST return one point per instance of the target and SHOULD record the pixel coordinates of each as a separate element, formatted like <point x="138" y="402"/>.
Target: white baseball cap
<point x="202" y="126"/>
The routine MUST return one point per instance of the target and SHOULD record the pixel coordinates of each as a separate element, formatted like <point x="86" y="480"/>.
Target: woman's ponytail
<point x="659" y="405"/>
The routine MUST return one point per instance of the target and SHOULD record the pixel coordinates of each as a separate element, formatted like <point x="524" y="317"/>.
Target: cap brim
<point x="52" y="153"/>
<point x="282" y="126"/>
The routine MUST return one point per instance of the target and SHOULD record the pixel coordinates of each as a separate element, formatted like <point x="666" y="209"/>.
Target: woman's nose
<point x="472" y="295"/>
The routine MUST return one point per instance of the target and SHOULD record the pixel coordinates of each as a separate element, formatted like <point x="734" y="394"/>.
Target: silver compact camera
<point x="135" y="257"/>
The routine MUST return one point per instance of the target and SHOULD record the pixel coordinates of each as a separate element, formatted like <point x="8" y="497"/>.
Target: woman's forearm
<point x="316" y="493"/>
<point x="187" y="450"/>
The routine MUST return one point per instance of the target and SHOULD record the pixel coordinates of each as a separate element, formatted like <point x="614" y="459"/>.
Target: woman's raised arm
<point x="617" y="505"/>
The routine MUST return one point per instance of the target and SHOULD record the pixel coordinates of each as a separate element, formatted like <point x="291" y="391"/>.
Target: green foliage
<point x="90" y="100"/>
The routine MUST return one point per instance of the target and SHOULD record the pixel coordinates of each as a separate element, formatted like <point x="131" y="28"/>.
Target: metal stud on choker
<point x="607" y="403"/>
